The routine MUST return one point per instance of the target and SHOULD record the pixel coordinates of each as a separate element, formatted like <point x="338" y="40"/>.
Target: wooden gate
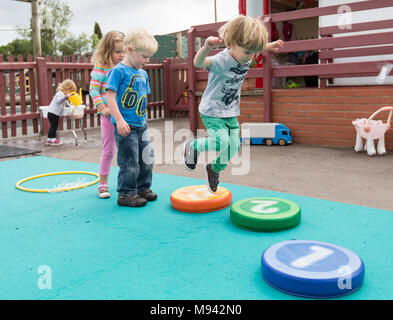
<point x="177" y="87"/>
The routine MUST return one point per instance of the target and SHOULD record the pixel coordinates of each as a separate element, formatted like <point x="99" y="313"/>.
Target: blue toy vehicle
<point x="265" y="133"/>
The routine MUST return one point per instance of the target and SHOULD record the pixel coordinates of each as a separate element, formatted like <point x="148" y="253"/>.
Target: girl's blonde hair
<point x="103" y="53"/>
<point x="246" y="32"/>
<point x="140" y="39"/>
<point x="67" y="85"/>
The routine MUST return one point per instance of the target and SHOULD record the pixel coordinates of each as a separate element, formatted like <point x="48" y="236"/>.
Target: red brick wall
<point x="321" y="116"/>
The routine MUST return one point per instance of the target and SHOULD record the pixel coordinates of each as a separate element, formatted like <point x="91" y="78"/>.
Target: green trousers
<point x="224" y="137"/>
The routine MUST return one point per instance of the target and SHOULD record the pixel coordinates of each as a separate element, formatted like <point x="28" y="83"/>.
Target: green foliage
<point x="97" y="35"/>
<point x="76" y="45"/>
<point x="16" y="47"/>
<point x="55" y="19"/>
<point x="94" y="41"/>
<point x="97" y="30"/>
<point x="55" y="37"/>
<point x="47" y="42"/>
<point x="56" y="16"/>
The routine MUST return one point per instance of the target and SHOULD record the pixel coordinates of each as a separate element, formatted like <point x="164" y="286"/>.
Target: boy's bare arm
<point x="200" y="60"/>
<point x="274" y="46"/>
<point x="122" y="127"/>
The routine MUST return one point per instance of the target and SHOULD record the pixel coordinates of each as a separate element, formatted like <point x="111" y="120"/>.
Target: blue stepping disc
<point x="312" y="269"/>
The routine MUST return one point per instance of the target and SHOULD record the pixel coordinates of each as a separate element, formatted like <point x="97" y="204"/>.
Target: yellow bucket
<point x="75" y="98"/>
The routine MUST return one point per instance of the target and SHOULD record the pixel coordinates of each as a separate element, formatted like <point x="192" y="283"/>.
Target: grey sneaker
<point x="190" y="155"/>
<point x="211" y="178"/>
<point x="131" y="200"/>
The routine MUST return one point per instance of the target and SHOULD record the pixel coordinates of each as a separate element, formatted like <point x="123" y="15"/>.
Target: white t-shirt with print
<point x="221" y="98"/>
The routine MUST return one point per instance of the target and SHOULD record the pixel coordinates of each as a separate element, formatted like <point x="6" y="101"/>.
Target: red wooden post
<point x="42" y="82"/>
<point x="243" y="7"/>
<point x="22" y="92"/>
<point x="43" y="94"/>
<point x="191" y="76"/>
<point x="84" y="85"/>
<point x="159" y="86"/>
<point x="156" y="100"/>
<point x="165" y="76"/>
<point x="170" y="85"/>
<point x="267" y="76"/>
<point x="12" y="96"/>
<point x="3" y="106"/>
<point x="32" y="91"/>
<point x="323" y="82"/>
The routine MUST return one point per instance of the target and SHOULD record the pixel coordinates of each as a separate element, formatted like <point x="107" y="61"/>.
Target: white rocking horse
<point x="371" y="130"/>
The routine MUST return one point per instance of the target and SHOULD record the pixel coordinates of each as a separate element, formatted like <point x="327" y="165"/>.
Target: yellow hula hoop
<point x="18" y="184"/>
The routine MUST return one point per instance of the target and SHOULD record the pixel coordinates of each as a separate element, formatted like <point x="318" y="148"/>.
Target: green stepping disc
<point x="265" y="214"/>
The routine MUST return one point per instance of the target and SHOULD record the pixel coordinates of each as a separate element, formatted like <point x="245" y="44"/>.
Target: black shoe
<point x="148" y="195"/>
<point x="211" y="178"/>
<point x="190" y="155"/>
<point x="131" y="200"/>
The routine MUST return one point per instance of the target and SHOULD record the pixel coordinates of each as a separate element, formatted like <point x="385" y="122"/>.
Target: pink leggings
<point x="108" y="145"/>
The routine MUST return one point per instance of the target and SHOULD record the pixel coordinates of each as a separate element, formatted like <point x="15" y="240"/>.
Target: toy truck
<point x="265" y="133"/>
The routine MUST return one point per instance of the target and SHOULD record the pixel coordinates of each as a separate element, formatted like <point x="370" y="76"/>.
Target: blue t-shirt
<point x="132" y="87"/>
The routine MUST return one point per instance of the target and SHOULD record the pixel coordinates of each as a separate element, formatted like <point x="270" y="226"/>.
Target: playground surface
<point x="95" y="249"/>
<point x="336" y="174"/>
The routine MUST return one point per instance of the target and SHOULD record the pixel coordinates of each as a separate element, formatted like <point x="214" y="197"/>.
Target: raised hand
<point x="275" y="45"/>
<point x="212" y="42"/>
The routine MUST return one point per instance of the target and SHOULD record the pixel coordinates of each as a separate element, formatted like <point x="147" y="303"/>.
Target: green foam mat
<point x="91" y="248"/>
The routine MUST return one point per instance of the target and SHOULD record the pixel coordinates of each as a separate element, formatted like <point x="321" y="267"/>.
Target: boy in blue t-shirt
<point x="127" y="90"/>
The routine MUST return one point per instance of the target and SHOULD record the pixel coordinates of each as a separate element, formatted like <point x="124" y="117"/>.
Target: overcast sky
<point x="157" y="16"/>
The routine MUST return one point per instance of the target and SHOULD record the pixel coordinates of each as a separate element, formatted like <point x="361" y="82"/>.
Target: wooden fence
<point x="177" y="86"/>
<point x="24" y="86"/>
<point x="22" y="72"/>
<point x="369" y="44"/>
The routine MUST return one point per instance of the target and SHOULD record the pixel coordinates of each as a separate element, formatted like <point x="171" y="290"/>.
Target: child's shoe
<point x="131" y="200"/>
<point x="49" y="141"/>
<point x="148" y="195"/>
<point x="211" y="178"/>
<point x="56" y="142"/>
<point x="103" y="191"/>
<point x="190" y="155"/>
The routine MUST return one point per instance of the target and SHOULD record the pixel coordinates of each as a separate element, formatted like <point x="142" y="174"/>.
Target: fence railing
<point x="24" y="86"/>
<point x="18" y="99"/>
<point x="327" y="45"/>
<point x="178" y="86"/>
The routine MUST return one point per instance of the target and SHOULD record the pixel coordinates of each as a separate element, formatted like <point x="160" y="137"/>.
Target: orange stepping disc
<point x="198" y="199"/>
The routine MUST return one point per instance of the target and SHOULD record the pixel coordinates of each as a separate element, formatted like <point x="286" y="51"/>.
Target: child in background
<point x="56" y="107"/>
<point x="220" y="103"/>
<point x="108" y="53"/>
<point x="127" y="90"/>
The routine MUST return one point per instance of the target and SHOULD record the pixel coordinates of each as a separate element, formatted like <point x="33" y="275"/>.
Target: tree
<point x="17" y="46"/>
<point x="56" y="16"/>
<point x="97" y="35"/>
<point x="55" y="19"/>
<point x="76" y="45"/>
<point x="97" y="30"/>
<point x="47" y="42"/>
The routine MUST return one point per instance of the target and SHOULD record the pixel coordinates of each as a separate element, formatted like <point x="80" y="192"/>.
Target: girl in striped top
<point x="108" y="53"/>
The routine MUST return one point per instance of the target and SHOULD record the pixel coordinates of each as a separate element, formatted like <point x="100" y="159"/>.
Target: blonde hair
<point x="67" y="85"/>
<point x="103" y="53"/>
<point x="246" y="32"/>
<point x="139" y="40"/>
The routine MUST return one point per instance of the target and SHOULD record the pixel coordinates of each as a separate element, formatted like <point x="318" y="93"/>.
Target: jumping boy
<point x="220" y="103"/>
